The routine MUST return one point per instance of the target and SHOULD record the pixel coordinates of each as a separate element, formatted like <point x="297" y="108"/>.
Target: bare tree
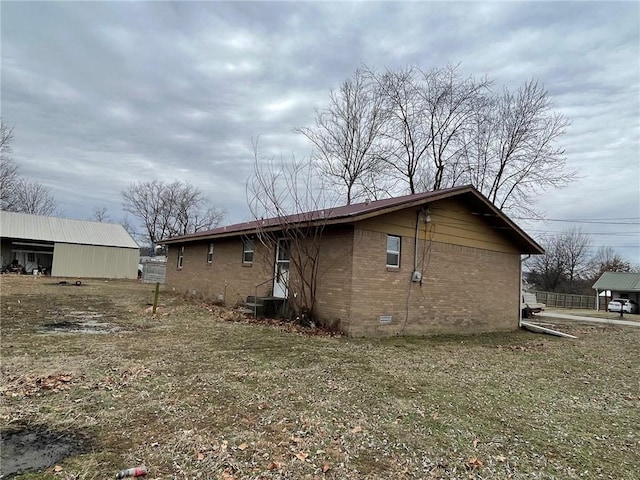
<point x="566" y="263"/>
<point x="8" y="168"/>
<point x="523" y="153"/>
<point x="19" y="194"/>
<point x="144" y="200"/>
<point x="346" y="134"/>
<point x="548" y="270"/>
<point x="168" y="210"/>
<point x="607" y="260"/>
<point x="437" y="129"/>
<point x="100" y="214"/>
<point x="283" y="197"/>
<point x="451" y="102"/>
<point x="34" y="198"/>
<point x="131" y="229"/>
<point x="406" y="134"/>
<point x="575" y="246"/>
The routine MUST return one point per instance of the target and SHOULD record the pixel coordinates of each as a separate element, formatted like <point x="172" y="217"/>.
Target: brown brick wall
<point x="226" y="276"/>
<point x="334" y="277"/>
<point x="464" y="289"/>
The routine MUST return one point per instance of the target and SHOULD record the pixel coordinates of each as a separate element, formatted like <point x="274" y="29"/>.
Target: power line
<point x="577" y="220"/>
<point x="612" y="234"/>
<point x="588" y="221"/>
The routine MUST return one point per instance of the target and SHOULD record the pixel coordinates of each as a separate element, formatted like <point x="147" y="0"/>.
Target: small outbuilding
<point x="619" y="284"/>
<point x="63" y="247"/>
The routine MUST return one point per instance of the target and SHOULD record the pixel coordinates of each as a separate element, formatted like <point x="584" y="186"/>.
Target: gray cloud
<point x="102" y="94"/>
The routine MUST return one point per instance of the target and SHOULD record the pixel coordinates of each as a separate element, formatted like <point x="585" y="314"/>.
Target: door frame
<point x="281" y="289"/>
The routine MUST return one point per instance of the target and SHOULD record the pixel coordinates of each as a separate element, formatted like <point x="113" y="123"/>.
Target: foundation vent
<point x="386" y="319"/>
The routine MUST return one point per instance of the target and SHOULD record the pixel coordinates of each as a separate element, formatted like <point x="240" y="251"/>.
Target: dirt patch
<point x="80" y="321"/>
<point x="87" y="326"/>
<point x="29" y="450"/>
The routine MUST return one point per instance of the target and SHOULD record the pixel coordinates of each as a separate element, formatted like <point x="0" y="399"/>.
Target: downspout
<point x="520" y="298"/>
<point x="415" y="246"/>
<point x="416" y="276"/>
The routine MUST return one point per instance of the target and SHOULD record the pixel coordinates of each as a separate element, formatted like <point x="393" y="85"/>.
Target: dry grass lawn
<point x="193" y="394"/>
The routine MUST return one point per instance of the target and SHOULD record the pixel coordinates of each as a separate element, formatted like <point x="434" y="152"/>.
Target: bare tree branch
<point x="436" y="129"/>
<point x="19" y="194"/>
<point x="34" y="198"/>
<point x="565" y="264"/>
<point x="100" y="214"/>
<point x="8" y="169"/>
<point x="284" y="192"/>
<point x="346" y="134"/>
<point x="168" y="210"/>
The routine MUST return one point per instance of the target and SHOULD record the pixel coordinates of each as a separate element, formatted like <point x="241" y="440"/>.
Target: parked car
<point x="627" y="305"/>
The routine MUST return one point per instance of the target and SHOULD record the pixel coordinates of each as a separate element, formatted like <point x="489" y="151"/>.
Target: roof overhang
<point x="618" y="282"/>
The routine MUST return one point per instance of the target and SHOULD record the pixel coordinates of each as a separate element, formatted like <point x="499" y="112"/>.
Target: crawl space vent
<point x="386" y="318"/>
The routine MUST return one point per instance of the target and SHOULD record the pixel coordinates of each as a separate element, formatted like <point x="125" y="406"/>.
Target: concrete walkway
<point x="577" y="318"/>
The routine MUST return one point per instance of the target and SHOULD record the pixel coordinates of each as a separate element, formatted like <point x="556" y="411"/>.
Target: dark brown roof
<point x="360" y="211"/>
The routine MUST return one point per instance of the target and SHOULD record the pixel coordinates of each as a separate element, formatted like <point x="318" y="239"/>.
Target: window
<point x="393" y="251"/>
<point x="247" y="250"/>
<point x="210" y="253"/>
<point x="31" y="257"/>
<point x="180" y="257"/>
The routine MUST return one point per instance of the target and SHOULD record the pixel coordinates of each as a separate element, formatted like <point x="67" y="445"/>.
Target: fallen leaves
<point x="474" y="463"/>
<point x="430" y="408"/>
<point x="302" y="456"/>
<point x="242" y="316"/>
<point x="227" y="474"/>
<point x="28" y="386"/>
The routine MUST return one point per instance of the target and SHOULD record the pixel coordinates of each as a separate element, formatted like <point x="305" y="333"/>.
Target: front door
<point x="281" y="275"/>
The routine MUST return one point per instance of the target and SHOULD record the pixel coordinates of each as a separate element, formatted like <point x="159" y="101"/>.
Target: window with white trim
<point x="247" y="250"/>
<point x="210" y="253"/>
<point x="393" y="251"/>
<point x="180" y="256"/>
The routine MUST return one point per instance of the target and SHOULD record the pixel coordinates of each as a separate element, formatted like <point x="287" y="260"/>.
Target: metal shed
<point x="64" y="247"/>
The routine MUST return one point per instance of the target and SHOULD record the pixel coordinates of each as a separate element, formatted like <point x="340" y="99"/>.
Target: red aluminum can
<point x="132" y="472"/>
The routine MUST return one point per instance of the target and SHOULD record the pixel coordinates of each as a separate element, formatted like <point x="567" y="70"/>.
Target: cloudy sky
<point x="101" y="95"/>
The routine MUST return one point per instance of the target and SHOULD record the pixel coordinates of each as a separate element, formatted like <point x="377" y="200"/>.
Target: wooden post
<point x="155" y="298"/>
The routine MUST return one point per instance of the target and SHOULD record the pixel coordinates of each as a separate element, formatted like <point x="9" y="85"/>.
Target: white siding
<point x="91" y="261"/>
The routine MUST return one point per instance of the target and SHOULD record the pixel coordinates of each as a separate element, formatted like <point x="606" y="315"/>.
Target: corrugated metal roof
<point x="619" y="282"/>
<point x="359" y="211"/>
<point x="24" y="226"/>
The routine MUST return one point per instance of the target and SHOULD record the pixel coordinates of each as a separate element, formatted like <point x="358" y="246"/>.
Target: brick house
<point x="437" y="262"/>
